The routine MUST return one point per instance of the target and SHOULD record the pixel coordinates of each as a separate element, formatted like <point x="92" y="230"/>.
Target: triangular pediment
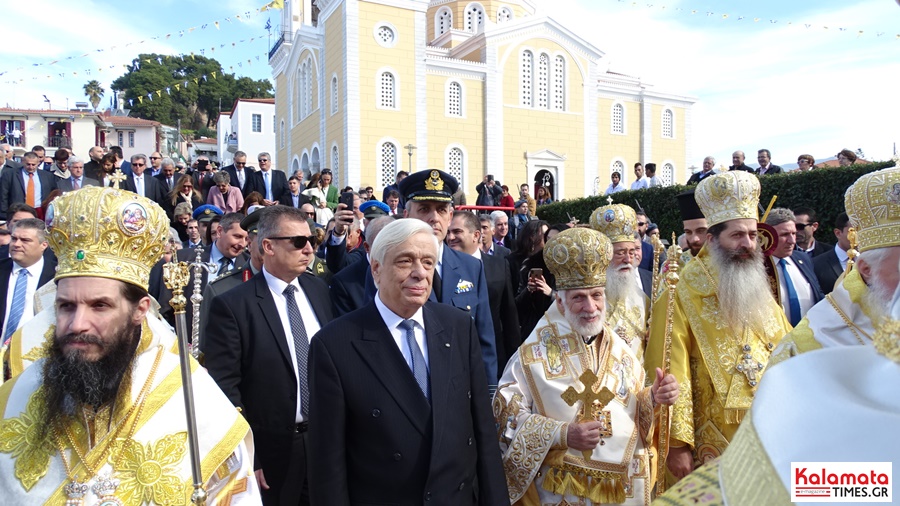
<point x="546" y="155"/>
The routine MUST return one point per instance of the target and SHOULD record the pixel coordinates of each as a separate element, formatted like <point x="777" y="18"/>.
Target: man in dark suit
<point x="394" y="187"/>
<point x="26" y="270"/>
<point x="271" y="184"/>
<point x="488" y="246"/>
<point x="387" y="424"/>
<point x="766" y="167"/>
<point x="76" y="179"/>
<point x="141" y="183"/>
<point x="353" y="287"/>
<point x="831" y="264"/>
<point x="502" y="231"/>
<point x="25" y="185"/>
<point x="807" y="225"/>
<point x="465" y="236"/>
<point x="458" y="278"/>
<point x="257" y="347"/>
<point x="92" y="167"/>
<point x="709" y="163"/>
<point x="240" y="174"/>
<point x="121" y="163"/>
<point x="346" y="223"/>
<point x="167" y="177"/>
<point x="293" y="197"/>
<point x="796" y="286"/>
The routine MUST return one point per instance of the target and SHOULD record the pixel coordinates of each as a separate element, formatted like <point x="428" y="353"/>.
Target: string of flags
<point x="136" y="64"/>
<point x="240" y="17"/>
<point x="730" y="17"/>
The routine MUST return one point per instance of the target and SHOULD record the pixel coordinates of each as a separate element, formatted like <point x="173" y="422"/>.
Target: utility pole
<point x="410" y="148"/>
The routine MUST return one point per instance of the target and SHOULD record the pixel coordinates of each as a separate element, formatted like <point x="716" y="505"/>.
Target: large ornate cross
<point x="591" y="401"/>
<point x="117" y="177"/>
<point x="748" y="366"/>
<point x="609" y="200"/>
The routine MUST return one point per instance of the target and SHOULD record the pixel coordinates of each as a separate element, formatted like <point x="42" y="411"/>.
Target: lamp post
<point x="409" y="149"/>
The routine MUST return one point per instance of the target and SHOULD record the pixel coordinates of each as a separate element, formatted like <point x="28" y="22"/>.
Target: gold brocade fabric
<point x="704" y="353"/>
<point x="629" y="323"/>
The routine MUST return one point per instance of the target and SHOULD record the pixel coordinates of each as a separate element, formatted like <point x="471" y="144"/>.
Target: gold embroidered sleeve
<point x="800" y="340"/>
<point x="679" y="363"/>
<point x="647" y="413"/>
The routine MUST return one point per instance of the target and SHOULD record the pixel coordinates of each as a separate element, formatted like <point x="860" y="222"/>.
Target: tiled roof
<point x="129" y="121"/>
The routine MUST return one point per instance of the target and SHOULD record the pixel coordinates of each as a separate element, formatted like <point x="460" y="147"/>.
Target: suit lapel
<point x="449" y="274"/>
<point x="320" y="305"/>
<point x="5" y="271"/>
<point x="267" y="307"/>
<point x="379" y="351"/>
<point x="439" y="353"/>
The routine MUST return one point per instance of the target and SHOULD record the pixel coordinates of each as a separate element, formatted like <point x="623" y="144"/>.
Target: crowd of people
<point x="358" y="350"/>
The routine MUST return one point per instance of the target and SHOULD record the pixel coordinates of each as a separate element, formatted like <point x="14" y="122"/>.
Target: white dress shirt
<point x="310" y="322"/>
<point x="392" y="320"/>
<point x="801" y="286"/>
<point x="139" y="185"/>
<point x="34" y="275"/>
<point x="841" y="256"/>
<point x="640" y="184"/>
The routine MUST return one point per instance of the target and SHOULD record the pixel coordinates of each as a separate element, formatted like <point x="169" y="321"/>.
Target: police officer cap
<point x="430" y="184"/>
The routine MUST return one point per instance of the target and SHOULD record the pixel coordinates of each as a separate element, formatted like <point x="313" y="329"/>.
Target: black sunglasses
<point x="298" y="241"/>
<point x="326" y="171"/>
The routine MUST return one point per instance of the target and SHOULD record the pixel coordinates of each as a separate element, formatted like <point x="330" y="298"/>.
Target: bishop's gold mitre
<point x="873" y="205"/>
<point x="616" y="221"/>
<point x="107" y="233"/>
<point x="726" y="196"/>
<point x="578" y="258"/>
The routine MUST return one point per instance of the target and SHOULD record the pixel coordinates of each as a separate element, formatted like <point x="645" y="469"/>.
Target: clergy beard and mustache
<point x="744" y="294"/>
<point x="583" y="329"/>
<point x="71" y="381"/>
<point x="622" y="286"/>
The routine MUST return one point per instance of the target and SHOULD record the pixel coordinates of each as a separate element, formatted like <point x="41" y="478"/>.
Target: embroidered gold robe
<point x="153" y="466"/>
<point x="629" y="322"/>
<point x="704" y="354"/>
<point x="533" y="420"/>
<point x="842" y="318"/>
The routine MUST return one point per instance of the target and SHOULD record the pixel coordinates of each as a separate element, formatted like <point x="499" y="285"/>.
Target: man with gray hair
<point x="795" y="284"/>
<point x="141" y="183"/>
<point x="7" y="160"/>
<point x="166" y="175"/>
<point x="380" y="384"/>
<point x="488" y="246"/>
<point x="21" y="276"/>
<point x="709" y="163"/>
<point x="76" y="179"/>
<point x="500" y="222"/>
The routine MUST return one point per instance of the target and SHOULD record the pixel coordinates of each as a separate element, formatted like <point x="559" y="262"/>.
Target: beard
<point x="878" y="300"/>
<point x="71" y="381"/>
<point x="586" y="329"/>
<point x="744" y="294"/>
<point x="623" y="287"/>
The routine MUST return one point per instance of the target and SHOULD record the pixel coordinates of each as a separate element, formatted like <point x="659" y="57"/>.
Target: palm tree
<point x="94" y="92"/>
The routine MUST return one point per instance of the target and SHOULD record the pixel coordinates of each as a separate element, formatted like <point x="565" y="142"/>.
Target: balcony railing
<point x="60" y="141"/>
<point x="278" y="44"/>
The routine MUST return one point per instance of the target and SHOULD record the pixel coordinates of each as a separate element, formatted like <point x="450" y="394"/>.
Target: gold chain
<point x="850" y="325"/>
<point x="111" y="438"/>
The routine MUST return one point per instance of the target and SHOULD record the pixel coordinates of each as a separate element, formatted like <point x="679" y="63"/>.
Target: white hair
<point x="73" y="160"/>
<point x="167" y="162"/>
<point x="496" y="215"/>
<point x="396" y="234"/>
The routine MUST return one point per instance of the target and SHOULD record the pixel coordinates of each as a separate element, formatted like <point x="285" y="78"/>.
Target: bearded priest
<point x="627" y="306"/>
<point x="725" y="324"/>
<point x="849" y="314"/>
<point x="572" y="411"/>
<point x="99" y="418"/>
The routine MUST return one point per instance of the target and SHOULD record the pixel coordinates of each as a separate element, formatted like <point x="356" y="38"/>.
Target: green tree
<point x="94" y="92"/>
<point x="190" y="88"/>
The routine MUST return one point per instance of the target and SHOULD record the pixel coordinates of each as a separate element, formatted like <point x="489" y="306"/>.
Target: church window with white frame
<point x="385" y="36"/>
<point x="618" y="166"/>
<point x="335" y="160"/>
<point x="301" y="85"/>
<point x="542" y="82"/>
<point x="387" y="91"/>
<point x="443" y="21"/>
<point x="334" y="95"/>
<point x="282" y="134"/>
<point x="474" y="18"/>
<point x="455" y="160"/>
<point x="387" y="164"/>
<point x="668" y="124"/>
<point x="526" y="69"/>
<point x="559" y="83"/>
<point x="618" y="119"/>
<point x="309" y="86"/>
<point x="667" y="175"/>
<point x="504" y="15"/>
<point x="454" y="99"/>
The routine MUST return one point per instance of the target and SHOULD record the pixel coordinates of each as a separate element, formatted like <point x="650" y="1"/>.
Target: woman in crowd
<point x="543" y="195"/>
<point x="228" y="198"/>
<point x="183" y="191"/>
<point x="252" y="199"/>
<point x="506" y="199"/>
<point x="534" y="284"/>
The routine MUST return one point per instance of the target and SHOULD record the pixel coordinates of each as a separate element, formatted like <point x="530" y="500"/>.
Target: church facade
<point x="371" y="87"/>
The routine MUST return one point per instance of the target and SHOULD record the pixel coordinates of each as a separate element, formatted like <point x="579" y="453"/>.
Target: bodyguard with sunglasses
<point x="257" y="346"/>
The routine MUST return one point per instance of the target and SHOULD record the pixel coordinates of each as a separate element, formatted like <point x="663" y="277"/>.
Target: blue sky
<point x="787" y="87"/>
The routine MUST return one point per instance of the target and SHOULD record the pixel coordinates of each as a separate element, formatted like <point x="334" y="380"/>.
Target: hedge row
<point x="821" y="189"/>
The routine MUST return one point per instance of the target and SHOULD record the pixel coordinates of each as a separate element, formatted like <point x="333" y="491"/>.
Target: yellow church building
<point x="371" y="87"/>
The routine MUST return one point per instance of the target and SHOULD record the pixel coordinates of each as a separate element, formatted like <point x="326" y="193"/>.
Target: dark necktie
<point x="437" y="285"/>
<point x="301" y="345"/>
<point x="224" y="265"/>
<point x="793" y="300"/>
<point x="416" y="358"/>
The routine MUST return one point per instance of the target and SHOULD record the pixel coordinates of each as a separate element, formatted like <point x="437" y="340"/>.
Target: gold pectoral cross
<point x="592" y="404"/>
<point x="748" y="366"/>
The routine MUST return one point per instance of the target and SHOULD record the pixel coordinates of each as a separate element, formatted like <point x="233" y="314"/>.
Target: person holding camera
<point x="489" y="192"/>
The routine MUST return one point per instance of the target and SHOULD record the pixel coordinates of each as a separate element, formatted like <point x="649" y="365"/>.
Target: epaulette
<point x="229" y="274"/>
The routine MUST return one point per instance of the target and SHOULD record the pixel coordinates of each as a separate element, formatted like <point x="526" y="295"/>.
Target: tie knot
<point x="782" y="262"/>
<point x="407" y="325"/>
<point x="289" y="290"/>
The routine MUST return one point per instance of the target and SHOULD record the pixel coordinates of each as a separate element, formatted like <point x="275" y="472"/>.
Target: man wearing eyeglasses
<point x="7" y="160"/>
<point x="257" y="348"/>
<point x="271" y="184"/>
<point x="155" y="164"/>
<point x="141" y="183"/>
<point x="240" y="175"/>
<point x="807" y="224"/>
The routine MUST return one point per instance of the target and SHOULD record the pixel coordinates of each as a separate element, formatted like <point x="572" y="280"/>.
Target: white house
<point x="249" y="127"/>
<point x="76" y="130"/>
<point x="133" y="135"/>
<point x="204" y="146"/>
